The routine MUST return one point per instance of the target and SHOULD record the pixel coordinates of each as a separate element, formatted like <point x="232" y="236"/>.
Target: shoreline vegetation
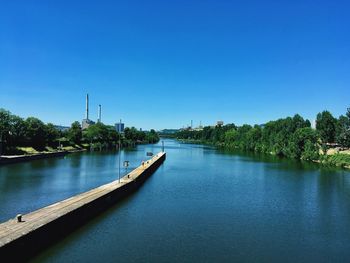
<point x="31" y="136"/>
<point x="292" y="137"/>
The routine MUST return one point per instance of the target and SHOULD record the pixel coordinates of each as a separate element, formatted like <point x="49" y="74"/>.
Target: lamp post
<point x="120" y="135"/>
<point x="126" y="165"/>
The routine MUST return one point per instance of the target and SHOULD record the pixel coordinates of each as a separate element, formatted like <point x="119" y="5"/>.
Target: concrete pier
<point x="32" y="157"/>
<point x="37" y="230"/>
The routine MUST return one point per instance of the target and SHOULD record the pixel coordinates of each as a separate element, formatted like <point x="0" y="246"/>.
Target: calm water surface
<point x="201" y="205"/>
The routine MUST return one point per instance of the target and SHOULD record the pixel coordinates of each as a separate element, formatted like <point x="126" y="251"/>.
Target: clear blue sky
<point x="159" y="64"/>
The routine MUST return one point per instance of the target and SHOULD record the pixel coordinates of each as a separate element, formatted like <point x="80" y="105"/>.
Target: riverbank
<point x="24" y="158"/>
<point x="333" y="157"/>
<point x="36" y="155"/>
<point x="336" y="159"/>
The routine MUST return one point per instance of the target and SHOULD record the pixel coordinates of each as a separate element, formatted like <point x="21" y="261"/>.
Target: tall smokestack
<point x="87" y="107"/>
<point x="99" y="113"/>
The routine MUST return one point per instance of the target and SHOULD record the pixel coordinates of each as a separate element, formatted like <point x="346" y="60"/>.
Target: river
<point x="201" y="205"/>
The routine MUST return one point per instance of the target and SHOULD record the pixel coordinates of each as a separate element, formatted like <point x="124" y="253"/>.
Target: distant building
<point x="200" y="127"/>
<point x="99" y="114"/>
<point x="219" y="123"/>
<point x="119" y="127"/>
<point x="86" y="122"/>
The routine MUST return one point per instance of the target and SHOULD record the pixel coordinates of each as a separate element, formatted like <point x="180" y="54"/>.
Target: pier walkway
<point x="42" y="226"/>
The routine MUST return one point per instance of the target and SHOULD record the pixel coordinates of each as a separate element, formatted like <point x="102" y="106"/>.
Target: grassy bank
<point x="337" y="159"/>
<point x="33" y="151"/>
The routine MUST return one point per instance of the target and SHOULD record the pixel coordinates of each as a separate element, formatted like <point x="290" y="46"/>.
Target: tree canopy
<point x="326" y="125"/>
<point x="292" y="136"/>
<point x="32" y="132"/>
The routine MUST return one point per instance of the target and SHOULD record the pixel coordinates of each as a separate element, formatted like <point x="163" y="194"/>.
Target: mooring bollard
<point x="19" y="218"/>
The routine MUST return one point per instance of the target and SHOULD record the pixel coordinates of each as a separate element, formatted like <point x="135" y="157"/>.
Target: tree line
<point x="290" y="137"/>
<point x="32" y="132"/>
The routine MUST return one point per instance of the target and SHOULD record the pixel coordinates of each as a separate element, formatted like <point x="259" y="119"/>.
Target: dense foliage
<point x="326" y="125"/>
<point x="15" y="131"/>
<point x="342" y="134"/>
<point x="291" y="137"/>
<point x="133" y="134"/>
<point x="32" y="132"/>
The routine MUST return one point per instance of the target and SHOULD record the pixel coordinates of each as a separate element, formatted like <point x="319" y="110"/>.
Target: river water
<point x="201" y="205"/>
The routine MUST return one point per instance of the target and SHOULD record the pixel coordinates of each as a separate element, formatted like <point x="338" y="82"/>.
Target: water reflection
<point x="200" y="205"/>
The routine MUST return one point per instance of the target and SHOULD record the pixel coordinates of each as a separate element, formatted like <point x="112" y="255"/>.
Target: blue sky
<point x="159" y="64"/>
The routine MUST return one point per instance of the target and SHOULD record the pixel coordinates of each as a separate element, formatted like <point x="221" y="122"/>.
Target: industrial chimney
<point x="99" y="113"/>
<point x="87" y="107"/>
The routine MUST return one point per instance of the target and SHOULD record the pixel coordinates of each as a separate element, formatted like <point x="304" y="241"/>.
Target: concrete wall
<point x="25" y="158"/>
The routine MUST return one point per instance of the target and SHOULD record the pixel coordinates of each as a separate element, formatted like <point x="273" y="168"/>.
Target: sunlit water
<point x="201" y="205"/>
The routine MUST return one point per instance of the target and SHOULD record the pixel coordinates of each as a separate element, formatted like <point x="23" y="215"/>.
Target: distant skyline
<point x="161" y="64"/>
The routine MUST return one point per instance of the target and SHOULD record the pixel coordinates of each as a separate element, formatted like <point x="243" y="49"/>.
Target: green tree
<point x="304" y="144"/>
<point x="113" y="135"/>
<point x="96" y="133"/>
<point x="343" y="130"/>
<point x="326" y="126"/>
<point x="4" y="129"/>
<point x="74" y="133"/>
<point x="311" y="151"/>
<point x="131" y="133"/>
<point x="253" y="137"/>
<point x="152" y="136"/>
<point x="35" y="133"/>
<point x="91" y="134"/>
<point x="52" y="135"/>
<point x="231" y="136"/>
<point x="141" y="136"/>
